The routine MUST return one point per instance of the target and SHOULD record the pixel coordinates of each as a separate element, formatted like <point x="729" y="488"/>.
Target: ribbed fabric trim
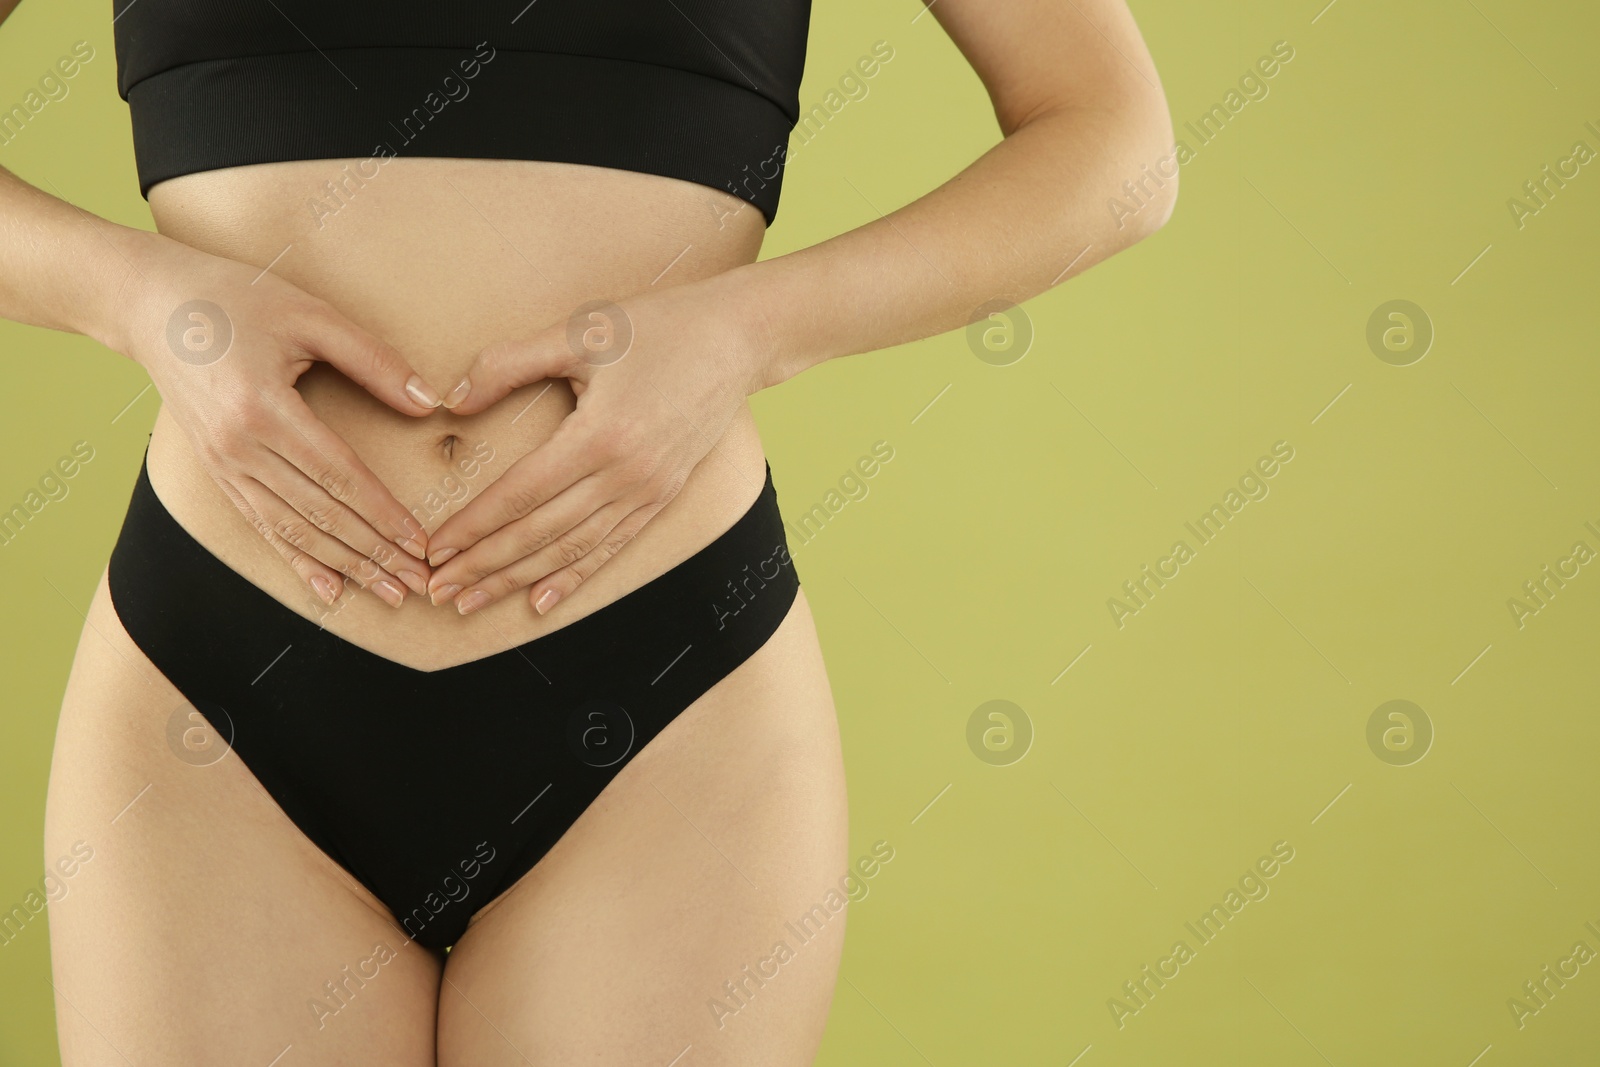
<point x="355" y="103"/>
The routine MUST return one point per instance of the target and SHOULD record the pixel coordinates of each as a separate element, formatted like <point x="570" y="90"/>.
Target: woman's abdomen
<point x="440" y="258"/>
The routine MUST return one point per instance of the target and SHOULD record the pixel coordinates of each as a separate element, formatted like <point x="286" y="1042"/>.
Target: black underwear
<point x="438" y="789"/>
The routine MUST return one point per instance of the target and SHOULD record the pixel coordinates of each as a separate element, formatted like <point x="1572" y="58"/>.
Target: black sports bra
<point x="702" y="90"/>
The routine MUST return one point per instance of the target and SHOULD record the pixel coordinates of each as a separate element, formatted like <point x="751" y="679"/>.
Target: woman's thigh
<point x="203" y="927"/>
<point x="652" y="931"/>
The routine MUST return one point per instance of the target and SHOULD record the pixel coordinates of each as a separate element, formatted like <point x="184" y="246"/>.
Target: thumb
<point x="508" y="365"/>
<point x="372" y="363"/>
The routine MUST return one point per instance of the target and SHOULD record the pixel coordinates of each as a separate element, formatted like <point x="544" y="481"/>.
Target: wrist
<point x="112" y="314"/>
<point x="767" y="337"/>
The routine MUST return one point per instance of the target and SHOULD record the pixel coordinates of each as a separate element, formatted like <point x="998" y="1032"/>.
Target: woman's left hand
<point x="657" y="378"/>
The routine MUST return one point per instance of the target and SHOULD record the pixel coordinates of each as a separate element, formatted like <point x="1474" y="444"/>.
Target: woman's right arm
<point x="224" y="344"/>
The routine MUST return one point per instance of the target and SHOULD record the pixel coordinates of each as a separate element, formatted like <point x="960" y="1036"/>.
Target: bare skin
<point x="207" y="923"/>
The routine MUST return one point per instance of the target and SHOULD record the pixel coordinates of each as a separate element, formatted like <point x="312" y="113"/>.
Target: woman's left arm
<point x="1085" y="123"/>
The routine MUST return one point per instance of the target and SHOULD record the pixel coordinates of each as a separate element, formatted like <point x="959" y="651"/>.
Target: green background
<point x="1231" y="712"/>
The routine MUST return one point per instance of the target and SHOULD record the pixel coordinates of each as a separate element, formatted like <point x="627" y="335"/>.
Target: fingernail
<point x="421" y="392"/>
<point x="413" y="547"/>
<point x="458" y="394"/>
<point x="546" y="601"/>
<point x="442" y="555"/>
<point x="324" y="588"/>
<point x="472" y="602"/>
<point x="390" y="592"/>
<point x="445" y="592"/>
<point x="415" y="582"/>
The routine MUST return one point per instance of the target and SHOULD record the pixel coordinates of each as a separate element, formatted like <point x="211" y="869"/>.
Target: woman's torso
<point x="441" y="257"/>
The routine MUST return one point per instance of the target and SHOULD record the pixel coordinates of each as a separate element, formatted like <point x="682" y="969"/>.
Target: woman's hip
<point x="399" y="773"/>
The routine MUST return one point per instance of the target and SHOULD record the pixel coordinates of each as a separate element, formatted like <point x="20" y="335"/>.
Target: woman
<point x="528" y="755"/>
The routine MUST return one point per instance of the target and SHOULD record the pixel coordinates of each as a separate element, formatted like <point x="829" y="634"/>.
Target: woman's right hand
<point x="224" y="343"/>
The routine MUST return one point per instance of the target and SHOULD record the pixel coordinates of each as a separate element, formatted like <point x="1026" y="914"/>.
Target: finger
<point x="532" y="481"/>
<point x="290" y="532"/>
<point x="345" y="529"/>
<point x="554" y="588"/>
<point x="508" y="365"/>
<point x="518" y="539"/>
<point x="326" y="582"/>
<point x="566" y="550"/>
<point x="324" y="457"/>
<point x="371" y="362"/>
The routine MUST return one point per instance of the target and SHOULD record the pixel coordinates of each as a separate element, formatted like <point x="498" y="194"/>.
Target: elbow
<point x="1166" y="204"/>
<point x="1157" y="144"/>
<point x="1168" y="164"/>
<point x="1151" y="196"/>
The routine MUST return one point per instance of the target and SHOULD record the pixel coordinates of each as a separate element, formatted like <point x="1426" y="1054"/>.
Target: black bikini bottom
<point x="438" y="789"/>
